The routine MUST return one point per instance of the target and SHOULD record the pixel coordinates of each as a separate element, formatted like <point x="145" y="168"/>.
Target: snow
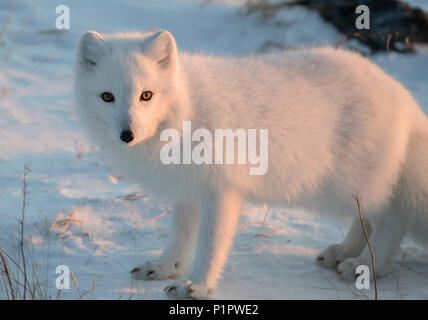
<point x="82" y="215"/>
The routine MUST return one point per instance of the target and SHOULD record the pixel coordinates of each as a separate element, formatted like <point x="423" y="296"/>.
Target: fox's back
<point x="334" y="118"/>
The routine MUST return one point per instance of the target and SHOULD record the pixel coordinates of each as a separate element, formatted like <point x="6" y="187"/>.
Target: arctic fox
<point x="337" y="125"/>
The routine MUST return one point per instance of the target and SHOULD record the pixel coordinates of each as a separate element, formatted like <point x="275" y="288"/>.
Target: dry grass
<point x="6" y="21"/>
<point x="4" y="28"/>
<point x="131" y="197"/>
<point x="9" y="290"/>
<point x="266" y="9"/>
<point x="260" y="233"/>
<point x="63" y="223"/>
<point x="358" y="200"/>
<point x="20" y="275"/>
<point x="23" y="177"/>
<point x="20" y="272"/>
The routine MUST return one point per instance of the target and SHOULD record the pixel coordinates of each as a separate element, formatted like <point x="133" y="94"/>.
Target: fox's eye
<point x="146" y="96"/>
<point x="107" y="97"/>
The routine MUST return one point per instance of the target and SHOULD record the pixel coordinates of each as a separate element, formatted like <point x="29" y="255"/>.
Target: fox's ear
<point x="162" y="48"/>
<point x="91" y="49"/>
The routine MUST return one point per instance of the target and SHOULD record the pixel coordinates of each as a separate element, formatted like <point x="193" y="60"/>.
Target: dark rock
<point x="394" y="25"/>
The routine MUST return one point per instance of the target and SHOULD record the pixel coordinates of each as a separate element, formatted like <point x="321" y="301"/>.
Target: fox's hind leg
<point x="352" y="246"/>
<point x="175" y="258"/>
<point x="388" y="229"/>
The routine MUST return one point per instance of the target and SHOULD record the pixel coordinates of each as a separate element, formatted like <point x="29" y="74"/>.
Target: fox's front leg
<point x="175" y="258"/>
<point x="219" y="217"/>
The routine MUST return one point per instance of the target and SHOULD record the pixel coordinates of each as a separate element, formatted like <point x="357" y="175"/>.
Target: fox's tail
<point x="412" y="190"/>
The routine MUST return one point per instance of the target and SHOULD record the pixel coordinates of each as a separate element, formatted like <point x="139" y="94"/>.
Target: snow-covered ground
<point x="82" y="215"/>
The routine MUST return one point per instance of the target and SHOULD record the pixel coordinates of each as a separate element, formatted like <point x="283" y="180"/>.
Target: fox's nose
<point x="127" y="136"/>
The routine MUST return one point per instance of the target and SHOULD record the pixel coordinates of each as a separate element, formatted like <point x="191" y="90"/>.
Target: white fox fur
<point x="337" y="125"/>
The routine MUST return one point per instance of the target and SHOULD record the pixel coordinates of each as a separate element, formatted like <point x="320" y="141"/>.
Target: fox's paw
<point x="185" y="289"/>
<point x="347" y="269"/>
<point x="332" y="256"/>
<point x="154" y="270"/>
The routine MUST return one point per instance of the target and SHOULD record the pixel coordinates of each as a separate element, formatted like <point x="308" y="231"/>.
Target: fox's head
<point x="126" y="84"/>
